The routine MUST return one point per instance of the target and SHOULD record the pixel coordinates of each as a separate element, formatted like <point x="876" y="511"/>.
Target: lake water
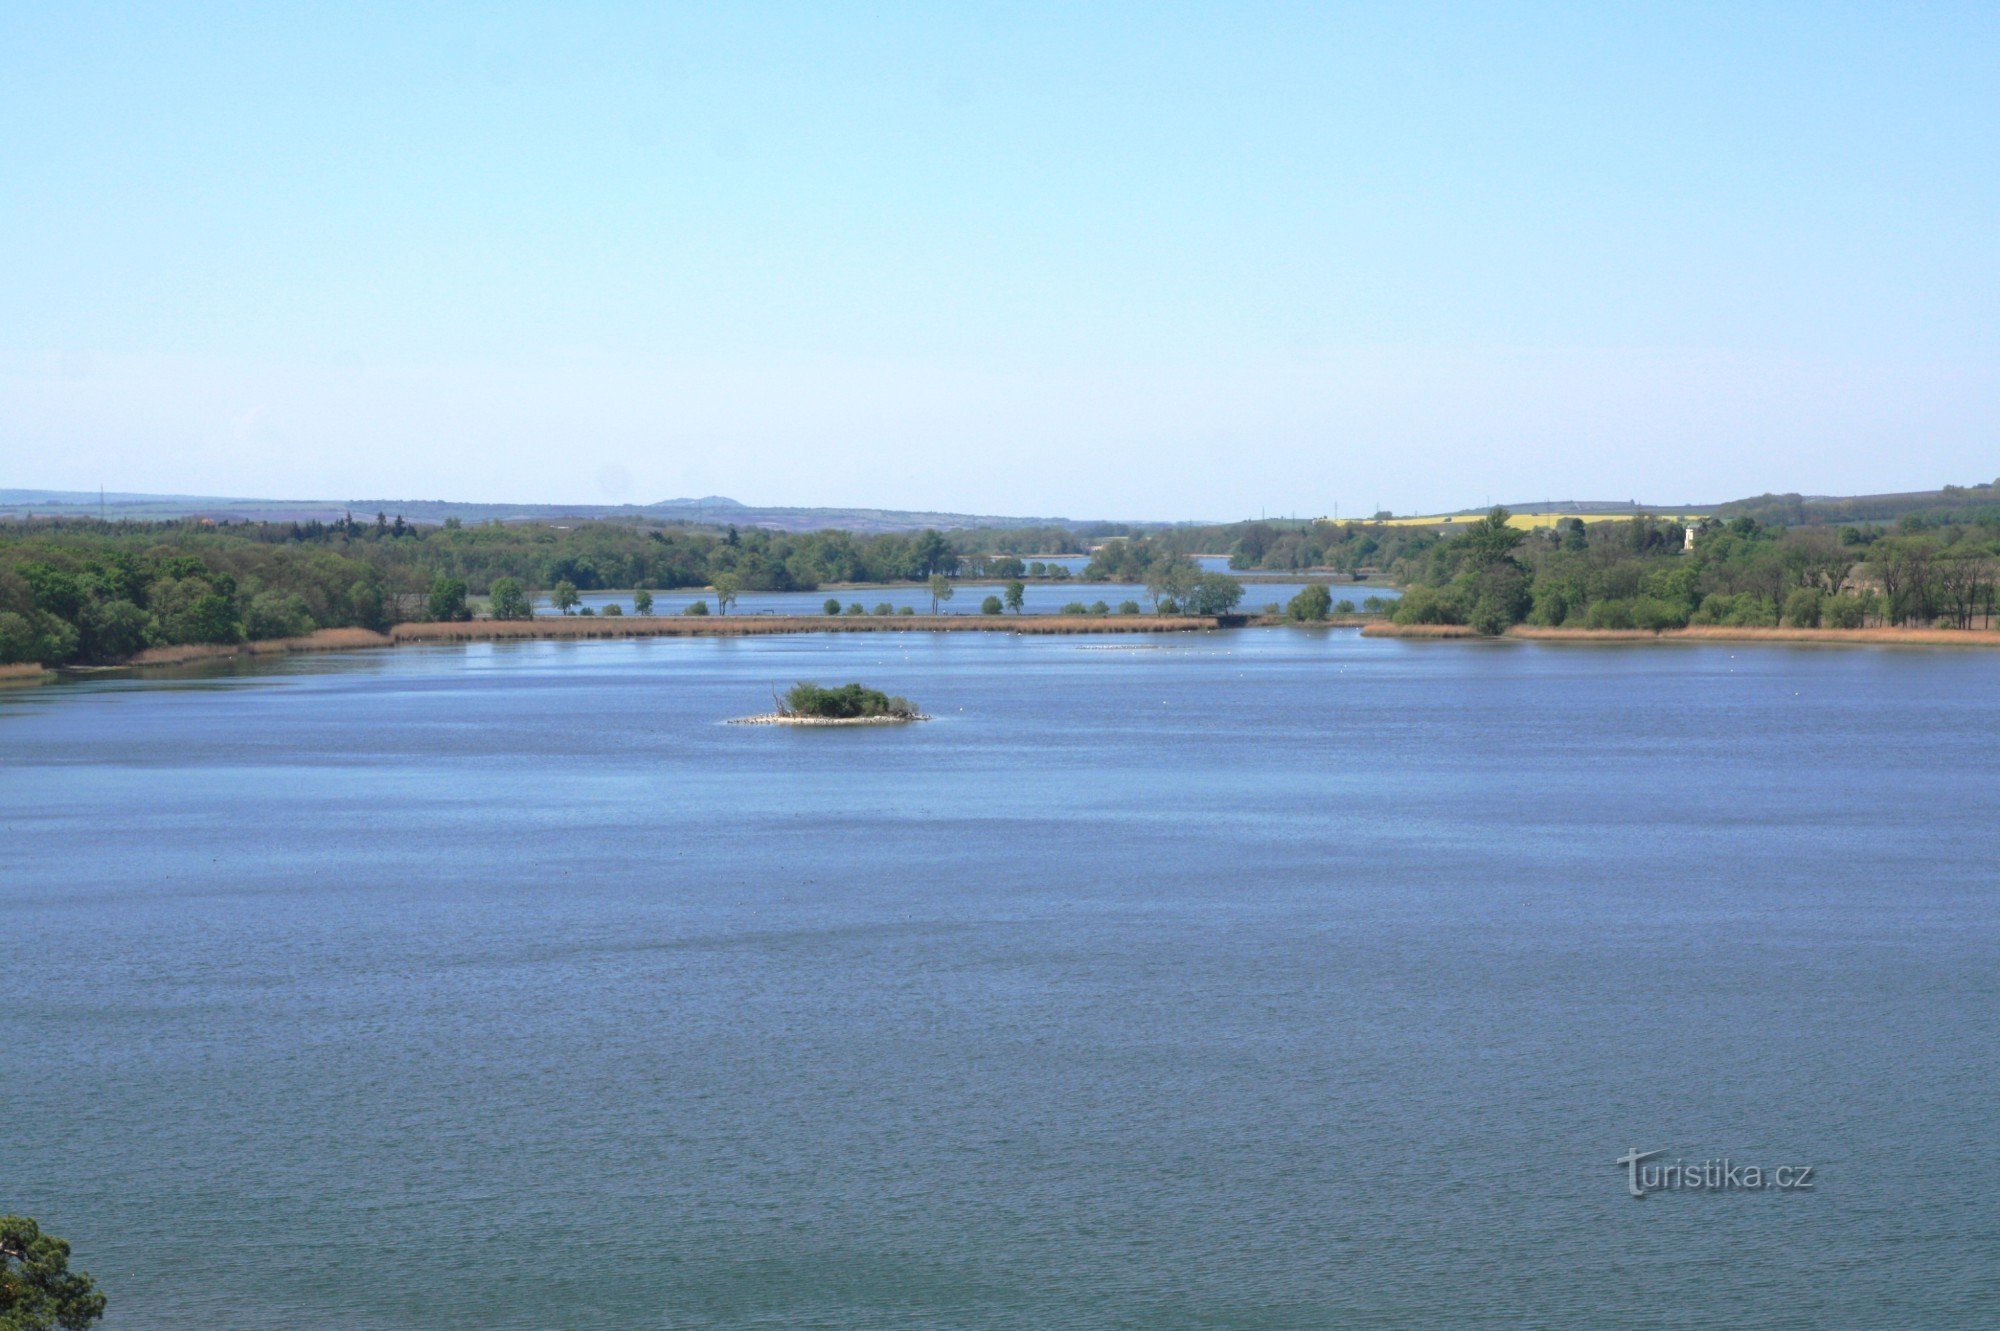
<point x="1036" y="597"/>
<point x="1265" y="979"/>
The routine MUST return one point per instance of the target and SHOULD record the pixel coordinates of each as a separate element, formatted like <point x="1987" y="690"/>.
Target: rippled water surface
<point x="1258" y="979"/>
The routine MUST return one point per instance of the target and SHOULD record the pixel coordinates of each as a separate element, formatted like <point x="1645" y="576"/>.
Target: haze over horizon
<point x="1120" y="263"/>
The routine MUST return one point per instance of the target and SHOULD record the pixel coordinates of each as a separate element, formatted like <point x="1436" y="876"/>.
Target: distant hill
<point x="1793" y="510"/>
<point x="713" y="510"/>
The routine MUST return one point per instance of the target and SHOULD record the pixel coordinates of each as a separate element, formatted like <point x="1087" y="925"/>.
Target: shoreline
<point x="1710" y="633"/>
<point x="784" y="719"/>
<point x="729" y="626"/>
<point x="602" y="628"/>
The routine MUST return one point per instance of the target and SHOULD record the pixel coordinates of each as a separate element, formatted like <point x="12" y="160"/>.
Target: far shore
<point x="584" y="627"/>
<point x="1875" y="637"/>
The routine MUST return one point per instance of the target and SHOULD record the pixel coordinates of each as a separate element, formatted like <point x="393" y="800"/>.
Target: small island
<point x="807" y="704"/>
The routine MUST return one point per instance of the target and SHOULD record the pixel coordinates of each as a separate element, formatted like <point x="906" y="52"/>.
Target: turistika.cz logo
<point x="1711" y="1176"/>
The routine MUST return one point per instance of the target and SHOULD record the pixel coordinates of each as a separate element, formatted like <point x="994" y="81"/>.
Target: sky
<point x="1146" y="261"/>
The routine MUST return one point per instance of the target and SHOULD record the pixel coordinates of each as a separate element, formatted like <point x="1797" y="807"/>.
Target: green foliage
<point x="1312" y="604"/>
<point x="726" y="586"/>
<point x="642" y="601"/>
<point x="991" y="606"/>
<point x="510" y="600"/>
<point x="1344" y="607"/>
<point x="1846" y="611"/>
<point x="1016" y="594"/>
<point x="564" y="596"/>
<point x="38" y="1291"/>
<point x="884" y="608"/>
<point x="1076" y="608"/>
<point x="832" y="605"/>
<point x="940" y="589"/>
<point x="1804" y="608"/>
<point x="613" y="609"/>
<point x="855" y="608"/>
<point x="35" y="637"/>
<point x="698" y="608"/>
<point x="1745" y="573"/>
<point x="272" y="615"/>
<point x="849" y="701"/>
<point x="447" y="599"/>
<point x="1213" y="594"/>
<point x="1128" y="607"/>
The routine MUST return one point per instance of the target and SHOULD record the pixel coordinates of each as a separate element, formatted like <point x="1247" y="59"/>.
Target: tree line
<point x="1640" y="574"/>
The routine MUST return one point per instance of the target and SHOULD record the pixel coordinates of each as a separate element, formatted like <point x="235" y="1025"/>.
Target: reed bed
<point x="717" y="626"/>
<point x="320" y="640"/>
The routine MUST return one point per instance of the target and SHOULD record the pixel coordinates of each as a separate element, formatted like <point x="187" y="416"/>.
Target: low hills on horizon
<point x="719" y="511"/>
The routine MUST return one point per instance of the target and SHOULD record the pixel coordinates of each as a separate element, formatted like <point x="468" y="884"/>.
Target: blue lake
<point x="1037" y="597"/>
<point x="1257" y="979"/>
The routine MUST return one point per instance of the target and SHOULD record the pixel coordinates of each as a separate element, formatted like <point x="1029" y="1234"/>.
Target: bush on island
<point x="1128" y="607"/>
<point x="846" y="703"/>
<point x="884" y="608"/>
<point x="1076" y="608"/>
<point x="1099" y="608"/>
<point x="698" y="608"/>
<point x="854" y="608"/>
<point x="1311" y="604"/>
<point x="832" y="606"/>
<point x="991" y="606"/>
<point x="1343" y="607"/>
<point x="612" y="609"/>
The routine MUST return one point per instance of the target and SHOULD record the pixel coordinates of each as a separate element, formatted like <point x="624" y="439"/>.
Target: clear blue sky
<point x="1122" y="260"/>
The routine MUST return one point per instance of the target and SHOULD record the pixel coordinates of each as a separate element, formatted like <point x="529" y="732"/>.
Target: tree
<point x="642" y="602"/>
<point x="510" y="600"/>
<point x="271" y="615"/>
<point x="1312" y="604"/>
<point x="940" y="590"/>
<point x="1214" y="594"/>
<point x="832" y="606"/>
<point x="991" y="606"/>
<point x="38" y="1291"/>
<point x="564" y="597"/>
<point x="726" y="586"/>
<point x="1171" y="577"/>
<point x="933" y="554"/>
<point x="1016" y="594"/>
<point x="447" y="599"/>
